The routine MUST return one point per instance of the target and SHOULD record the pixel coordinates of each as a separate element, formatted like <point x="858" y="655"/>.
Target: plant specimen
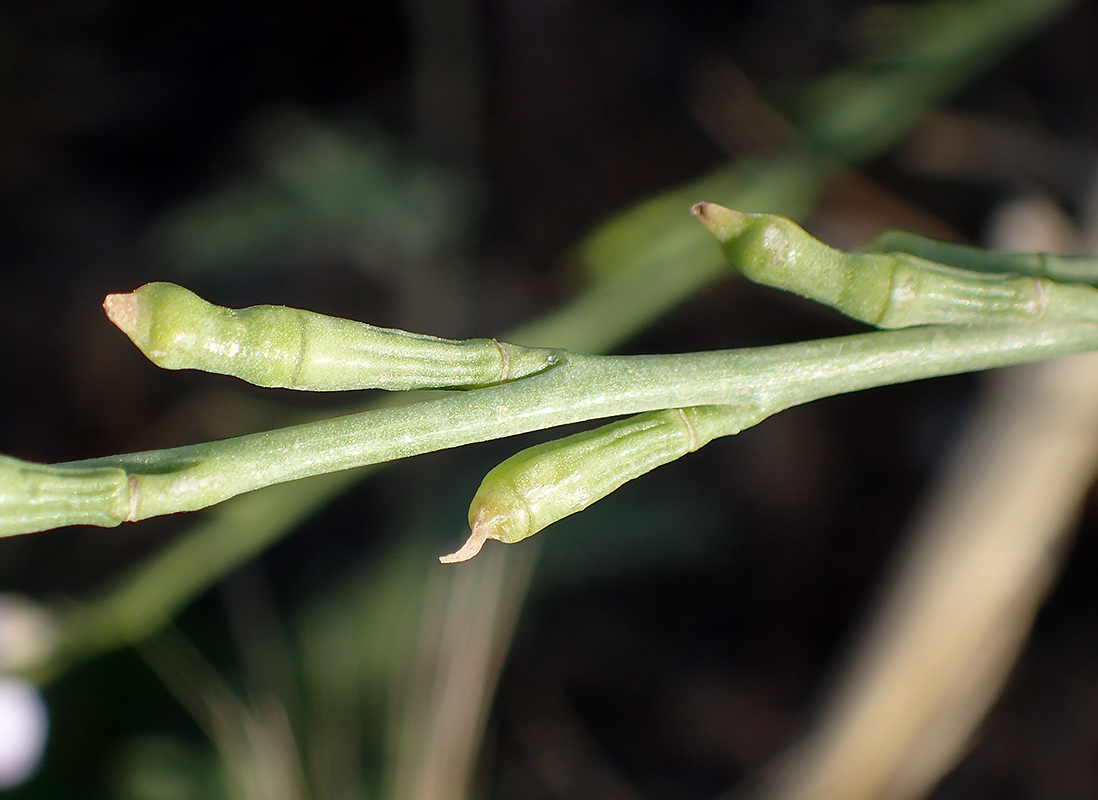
<point x="949" y="319"/>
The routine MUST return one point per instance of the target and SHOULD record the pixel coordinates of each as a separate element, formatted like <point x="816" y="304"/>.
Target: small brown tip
<point x="724" y="223"/>
<point x="122" y="310"/>
<point x="700" y="210"/>
<point x="471" y="547"/>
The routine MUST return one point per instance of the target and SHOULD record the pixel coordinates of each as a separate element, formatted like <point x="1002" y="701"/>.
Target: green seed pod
<point x="289" y="348"/>
<point x="1055" y="267"/>
<point x="37" y="497"/>
<point x="888" y="290"/>
<point x="547" y="482"/>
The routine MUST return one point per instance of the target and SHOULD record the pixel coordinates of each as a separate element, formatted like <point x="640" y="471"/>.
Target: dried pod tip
<point x="724" y="223"/>
<point x="123" y="310"/>
<point x="472" y="545"/>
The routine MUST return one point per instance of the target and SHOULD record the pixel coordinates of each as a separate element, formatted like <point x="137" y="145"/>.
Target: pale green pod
<point x="37" y="497"/>
<point x="888" y="290"/>
<point x="276" y="346"/>
<point x="1054" y="266"/>
<point x="545" y="483"/>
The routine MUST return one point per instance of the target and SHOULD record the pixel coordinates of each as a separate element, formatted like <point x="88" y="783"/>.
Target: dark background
<point x="687" y="672"/>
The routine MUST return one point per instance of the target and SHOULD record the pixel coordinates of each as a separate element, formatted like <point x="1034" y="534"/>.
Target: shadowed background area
<point x="431" y="166"/>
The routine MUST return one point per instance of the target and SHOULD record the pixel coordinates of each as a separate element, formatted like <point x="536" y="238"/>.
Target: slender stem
<point x="577" y="389"/>
<point x="631" y="255"/>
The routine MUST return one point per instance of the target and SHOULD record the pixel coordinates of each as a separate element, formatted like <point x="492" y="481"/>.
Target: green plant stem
<point x="141" y="601"/>
<point x="858" y="113"/>
<point x="577" y="389"/>
<point x="646" y="258"/>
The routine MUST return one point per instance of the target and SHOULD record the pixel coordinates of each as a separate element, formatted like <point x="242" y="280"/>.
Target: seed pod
<point x="37" y="497"/>
<point x="1054" y="266"/>
<point x="547" y="482"/>
<point x="888" y="290"/>
<point x="276" y="346"/>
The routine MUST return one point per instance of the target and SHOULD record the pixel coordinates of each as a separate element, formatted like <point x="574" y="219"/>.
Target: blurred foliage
<point x="321" y="190"/>
<point x="351" y="587"/>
